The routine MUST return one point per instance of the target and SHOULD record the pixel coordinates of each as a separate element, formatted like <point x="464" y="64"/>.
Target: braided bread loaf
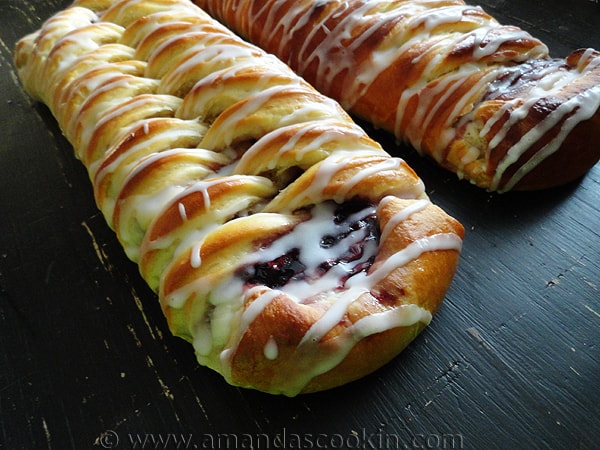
<point x="284" y="244"/>
<point x="482" y="99"/>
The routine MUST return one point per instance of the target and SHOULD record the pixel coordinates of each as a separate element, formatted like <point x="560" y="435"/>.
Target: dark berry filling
<point x="276" y="273"/>
<point x="351" y="219"/>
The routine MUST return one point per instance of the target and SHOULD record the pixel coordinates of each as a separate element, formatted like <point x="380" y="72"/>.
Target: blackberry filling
<point x="349" y="237"/>
<point x="276" y="273"/>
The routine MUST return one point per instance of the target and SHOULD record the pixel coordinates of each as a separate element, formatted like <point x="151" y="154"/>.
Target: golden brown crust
<point x="283" y="243"/>
<point x="482" y="99"/>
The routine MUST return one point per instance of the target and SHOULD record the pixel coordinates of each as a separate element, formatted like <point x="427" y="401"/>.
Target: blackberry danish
<point x="284" y="244"/>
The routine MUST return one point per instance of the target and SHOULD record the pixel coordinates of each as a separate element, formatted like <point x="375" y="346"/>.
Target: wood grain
<point x="512" y="360"/>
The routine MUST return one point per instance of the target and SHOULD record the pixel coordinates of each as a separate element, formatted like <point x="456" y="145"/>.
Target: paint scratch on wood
<point x="589" y="308"/>
<point x="196" y="397"/>
<point x="138" y="343"/>
<point x="445" y="380"/>
<point x="165" y="389"/>
<point x="475" y="333"/>
<point x="140" y="307"/>
<point x="99" y="251"/>
<point x="46" y="432"/>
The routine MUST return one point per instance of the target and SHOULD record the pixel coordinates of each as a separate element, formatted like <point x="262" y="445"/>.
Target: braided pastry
<point x="482" y="99"/>
<point x="284" y="244"/>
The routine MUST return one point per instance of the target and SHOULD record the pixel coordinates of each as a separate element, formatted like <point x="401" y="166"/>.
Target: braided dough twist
<point x="482" y="99"/>
<point x="284" y="244"/>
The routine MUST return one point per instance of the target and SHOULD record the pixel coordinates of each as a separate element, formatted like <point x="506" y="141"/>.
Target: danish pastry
<point x="482" y="99"/>
<point x="283" y="243"/>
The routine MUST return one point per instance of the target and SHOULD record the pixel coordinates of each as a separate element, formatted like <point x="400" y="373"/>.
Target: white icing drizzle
<point x="325" y="132"/>
<point x="182" y="211"/>
<point x="271" y="350"/>
<point x="206" y="59"/>
<point x="332" y="316"/>
<point x="137" y="210"/>
<point x="385" y="165"/>
<point x="213" y="86"/>
<point x="412" y="251"/>
<point x="577" y="109"/>
<point x="143" y="105"/>
<point x="158" y="69"/>
<point x="329" y="167"/>
<point x="231" y="123"/>
<point x="196" y="257"/>
<point x="429" y="108"/>
<point x="44" y="40"/>
<point x="252" y="104"/>
<point x="163" y="139"/>
<point x="401" y="316"/>
<point x="250" y="313"/>
<point x="88" y="84"/>
<point x="154" y="22"/>
<point x="401" y="215"/>
<point x="73" y="45"/>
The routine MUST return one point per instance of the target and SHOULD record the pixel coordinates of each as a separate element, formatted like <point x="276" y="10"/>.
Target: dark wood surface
<point x="512" y="360"/>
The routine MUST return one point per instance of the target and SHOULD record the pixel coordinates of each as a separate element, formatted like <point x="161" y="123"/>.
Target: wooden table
<point x="512" y="360"/>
